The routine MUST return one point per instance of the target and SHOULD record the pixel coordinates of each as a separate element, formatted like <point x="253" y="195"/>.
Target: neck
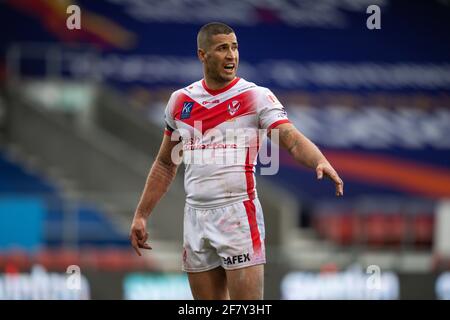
<point x="216" y="85"/>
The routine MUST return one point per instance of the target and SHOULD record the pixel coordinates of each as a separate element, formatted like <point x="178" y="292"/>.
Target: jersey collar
<point x="218" y="91"/>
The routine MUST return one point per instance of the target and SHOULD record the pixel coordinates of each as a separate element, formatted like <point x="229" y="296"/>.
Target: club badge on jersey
<point x="233" y="107"/>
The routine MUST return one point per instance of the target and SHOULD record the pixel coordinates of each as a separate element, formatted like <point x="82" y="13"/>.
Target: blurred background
<point x="81" y="118"/>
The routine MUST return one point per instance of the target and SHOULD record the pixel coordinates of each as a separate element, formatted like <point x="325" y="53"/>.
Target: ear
<point x="201" y="54"/>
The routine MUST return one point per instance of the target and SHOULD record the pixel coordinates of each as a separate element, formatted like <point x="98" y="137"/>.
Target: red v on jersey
<point x="212" y="117"/>
<point x="225" y="170"/>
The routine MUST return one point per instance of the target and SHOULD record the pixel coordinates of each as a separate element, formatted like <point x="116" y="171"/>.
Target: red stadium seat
<point x="376" y="229"/>
<point x="396" y="229"/>
<point x="422" y="228"/>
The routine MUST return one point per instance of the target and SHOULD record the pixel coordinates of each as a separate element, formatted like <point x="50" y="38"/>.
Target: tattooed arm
<point x="159" y="178"/>
<point x="307" y="153"/>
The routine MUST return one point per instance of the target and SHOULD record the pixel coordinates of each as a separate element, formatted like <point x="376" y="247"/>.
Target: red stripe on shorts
<point x="249" y="204"/>
<point x="250" y="180"/>
<point x="254" y="231"/>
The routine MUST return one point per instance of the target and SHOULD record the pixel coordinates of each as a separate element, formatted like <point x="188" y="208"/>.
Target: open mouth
<point x="229" y="67"/>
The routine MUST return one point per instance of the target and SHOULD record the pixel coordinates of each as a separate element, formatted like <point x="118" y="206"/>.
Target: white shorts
<point x="230" y="236"/>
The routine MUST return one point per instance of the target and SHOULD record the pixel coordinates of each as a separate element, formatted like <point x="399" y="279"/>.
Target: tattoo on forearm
<point x="301" y="148"/>
<point x="162" y="173"/>
<point x="289" y="140"/>
<point x="158" y="181"/>
<point x="166" y="162"/>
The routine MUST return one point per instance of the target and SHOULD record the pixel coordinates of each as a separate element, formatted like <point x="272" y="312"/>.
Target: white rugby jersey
<point x="219" y="132"/>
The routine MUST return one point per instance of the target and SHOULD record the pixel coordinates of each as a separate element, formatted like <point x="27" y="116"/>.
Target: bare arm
<point x="160" y="177"/>
<point x="308" y="154"/>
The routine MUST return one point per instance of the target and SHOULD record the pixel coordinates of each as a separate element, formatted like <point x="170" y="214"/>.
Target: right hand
<point x="139" y="234"/>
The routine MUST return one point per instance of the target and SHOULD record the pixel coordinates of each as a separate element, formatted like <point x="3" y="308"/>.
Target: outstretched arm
<point x="306" y="152"/>
<point x="160" y="177"/>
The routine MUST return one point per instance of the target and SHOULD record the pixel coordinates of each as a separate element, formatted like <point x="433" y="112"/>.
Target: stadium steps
<point x="96" y="165"/>
<point x="66" y="222"/>
<point x="34" y="166"/>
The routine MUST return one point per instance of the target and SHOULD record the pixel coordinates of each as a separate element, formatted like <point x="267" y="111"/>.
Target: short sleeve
<point x="270" y="110"/>
<point x="168" y="115"/>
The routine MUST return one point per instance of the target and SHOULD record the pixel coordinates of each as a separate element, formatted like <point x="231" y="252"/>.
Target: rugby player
<point x="224" y="251"/>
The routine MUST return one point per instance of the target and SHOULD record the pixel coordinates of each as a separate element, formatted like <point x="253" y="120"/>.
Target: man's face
<point x="221" y="58"/>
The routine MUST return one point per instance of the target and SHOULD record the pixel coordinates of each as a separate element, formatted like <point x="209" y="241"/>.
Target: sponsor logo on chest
<point x="186" y="110"/>
<point x="210" y="102"/>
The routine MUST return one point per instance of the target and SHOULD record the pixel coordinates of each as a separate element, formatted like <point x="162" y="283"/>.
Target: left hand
<point x="325" y="169"/>
<point x="139" y="234"/>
